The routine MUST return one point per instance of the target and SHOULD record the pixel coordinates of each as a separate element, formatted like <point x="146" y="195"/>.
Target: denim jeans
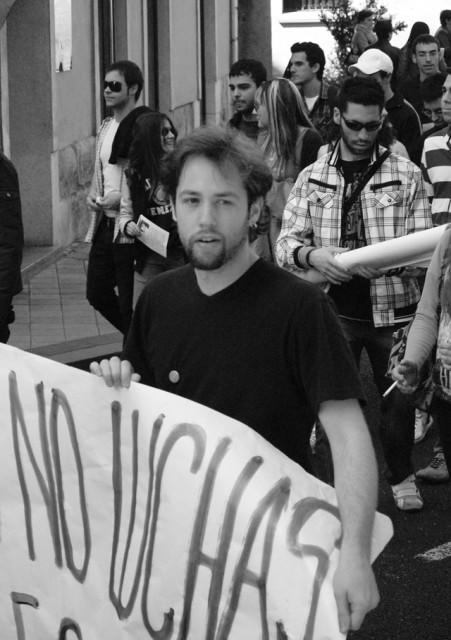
<point x="110" y="268"/>
<point x="397" y="410"/>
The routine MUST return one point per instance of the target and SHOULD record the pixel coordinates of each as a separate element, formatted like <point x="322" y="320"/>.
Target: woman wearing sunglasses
<point x="153" y="136"/>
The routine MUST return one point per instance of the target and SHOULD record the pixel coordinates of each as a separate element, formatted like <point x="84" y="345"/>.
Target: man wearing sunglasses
<point x="357" y="195"/>
<point x="110" y="267"/>
<point x="402" y="116"/>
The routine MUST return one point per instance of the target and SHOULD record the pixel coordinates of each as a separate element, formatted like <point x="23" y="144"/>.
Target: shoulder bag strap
<point x="369" y="173"/>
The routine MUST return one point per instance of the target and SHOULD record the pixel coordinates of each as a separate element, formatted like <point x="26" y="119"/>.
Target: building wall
<point x="74" y="97"/>
<point x="49" y="119"/>
<point x="254" y="28"/>
<point x="30" y="113"/>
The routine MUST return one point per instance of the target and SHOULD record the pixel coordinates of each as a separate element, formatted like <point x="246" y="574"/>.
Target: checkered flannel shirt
<point x="394" y="203"/>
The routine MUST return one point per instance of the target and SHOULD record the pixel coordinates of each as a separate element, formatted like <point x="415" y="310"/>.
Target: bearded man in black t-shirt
<point x="248" y="339"/>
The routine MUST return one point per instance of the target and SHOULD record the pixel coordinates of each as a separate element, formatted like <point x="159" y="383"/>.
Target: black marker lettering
<point x="228" y="524"/>
<point x="198" y="435"/>
<point x="124" y="609"/>
<point x="47" y="486"/>
<point x="18" y="599"/>
<point x="59" y="400"/>
<point x="195" y="556"/>
<point x="275" y="501"/>
<point x="67" y="624"/>
<point x="302" y="511"/>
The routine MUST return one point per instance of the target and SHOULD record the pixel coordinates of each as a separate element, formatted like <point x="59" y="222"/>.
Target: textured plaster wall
<point x="30" y="114"/>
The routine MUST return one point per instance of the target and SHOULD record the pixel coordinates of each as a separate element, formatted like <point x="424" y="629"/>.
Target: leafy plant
<point x="340" y="21"/>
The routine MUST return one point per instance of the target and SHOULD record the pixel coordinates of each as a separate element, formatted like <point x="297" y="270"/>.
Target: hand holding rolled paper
<point x="413" y="249"/>
<point x="324" y="262"/>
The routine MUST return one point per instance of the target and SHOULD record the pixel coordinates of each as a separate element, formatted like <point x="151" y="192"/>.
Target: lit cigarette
<point x="390" y="389"/>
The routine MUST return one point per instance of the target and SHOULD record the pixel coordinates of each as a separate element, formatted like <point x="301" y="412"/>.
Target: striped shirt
<point x="394" y="203"/>
<point x="436" y="167"/>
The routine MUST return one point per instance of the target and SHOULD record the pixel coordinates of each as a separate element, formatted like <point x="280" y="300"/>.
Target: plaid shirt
<point x="394" y="203"/>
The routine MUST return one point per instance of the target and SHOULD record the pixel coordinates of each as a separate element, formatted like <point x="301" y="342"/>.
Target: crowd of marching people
<point x="216" y="257"/>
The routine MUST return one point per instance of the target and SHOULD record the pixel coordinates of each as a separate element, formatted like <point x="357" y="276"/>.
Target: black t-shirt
<point x="352" y="299"/>
<point x="267" y="350"/>
<point x="153" y="202"/>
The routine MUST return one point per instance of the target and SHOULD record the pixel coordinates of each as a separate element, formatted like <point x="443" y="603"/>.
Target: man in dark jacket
<point x="384" y="31"/>
<point x="426" y="55"/>
<point x="400" y="113"/>
<point x="245" y="76"/>
<point x="11" y="243"/>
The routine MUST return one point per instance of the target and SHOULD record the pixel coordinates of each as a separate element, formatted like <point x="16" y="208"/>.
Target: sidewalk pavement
<point x="53" y="317"/>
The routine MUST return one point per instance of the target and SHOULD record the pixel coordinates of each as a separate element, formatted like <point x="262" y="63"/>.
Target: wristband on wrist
<point x="296" y="259"/>
<point x="307" y="257"/>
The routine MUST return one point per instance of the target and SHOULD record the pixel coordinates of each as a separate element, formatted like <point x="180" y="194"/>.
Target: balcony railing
<point x="308" y="5"/>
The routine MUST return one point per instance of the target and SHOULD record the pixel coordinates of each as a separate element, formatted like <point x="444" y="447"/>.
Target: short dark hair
<point x="383" y="29"/>
<point x="131" y="72"/>
<point x="222" y="147"/>
<point x="361" y="90"/>
<point x="363" y="15"/>
<point x="431" y="87"/>
<point x="424" y="38"/>
<point x="444" y="16"/>
<point x="313" y="53"/>
<point x="254" y="68"/>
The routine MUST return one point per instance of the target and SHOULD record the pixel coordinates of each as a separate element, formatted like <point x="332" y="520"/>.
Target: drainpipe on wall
<point x="233" y="30"/>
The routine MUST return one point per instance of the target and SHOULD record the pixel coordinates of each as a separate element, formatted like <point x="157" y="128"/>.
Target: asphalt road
<point x="415" y="590"/>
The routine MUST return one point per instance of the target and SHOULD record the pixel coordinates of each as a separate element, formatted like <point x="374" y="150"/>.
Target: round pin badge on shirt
<point x="174" y="376"/>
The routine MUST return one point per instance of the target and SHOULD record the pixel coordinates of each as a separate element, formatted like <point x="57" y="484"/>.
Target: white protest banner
<point x="414" y="249"/>
<point x="135" y="514"/>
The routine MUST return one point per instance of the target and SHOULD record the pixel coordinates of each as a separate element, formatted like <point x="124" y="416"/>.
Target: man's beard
<point x="215" y="260"/>
<point x="361" y="151"/>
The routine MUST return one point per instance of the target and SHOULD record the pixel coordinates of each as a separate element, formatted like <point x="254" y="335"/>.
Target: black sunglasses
<point x="358" y="126"/>
<point x="113" y="86"/>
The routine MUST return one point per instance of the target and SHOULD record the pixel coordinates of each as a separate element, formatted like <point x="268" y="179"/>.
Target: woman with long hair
<point x="288" y="140"/>
<point x="153" y="136"/>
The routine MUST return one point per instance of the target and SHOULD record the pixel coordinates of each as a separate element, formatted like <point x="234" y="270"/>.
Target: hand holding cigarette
<point x="390" y="389"/>
<point x="405" y="376"/>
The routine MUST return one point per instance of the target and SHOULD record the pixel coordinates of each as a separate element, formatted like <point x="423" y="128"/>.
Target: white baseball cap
<point x="372" y="61"/>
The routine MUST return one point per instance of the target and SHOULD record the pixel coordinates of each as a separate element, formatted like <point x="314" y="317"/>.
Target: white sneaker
<point x="406" y="495"/>
<point x="423" y="422"/>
